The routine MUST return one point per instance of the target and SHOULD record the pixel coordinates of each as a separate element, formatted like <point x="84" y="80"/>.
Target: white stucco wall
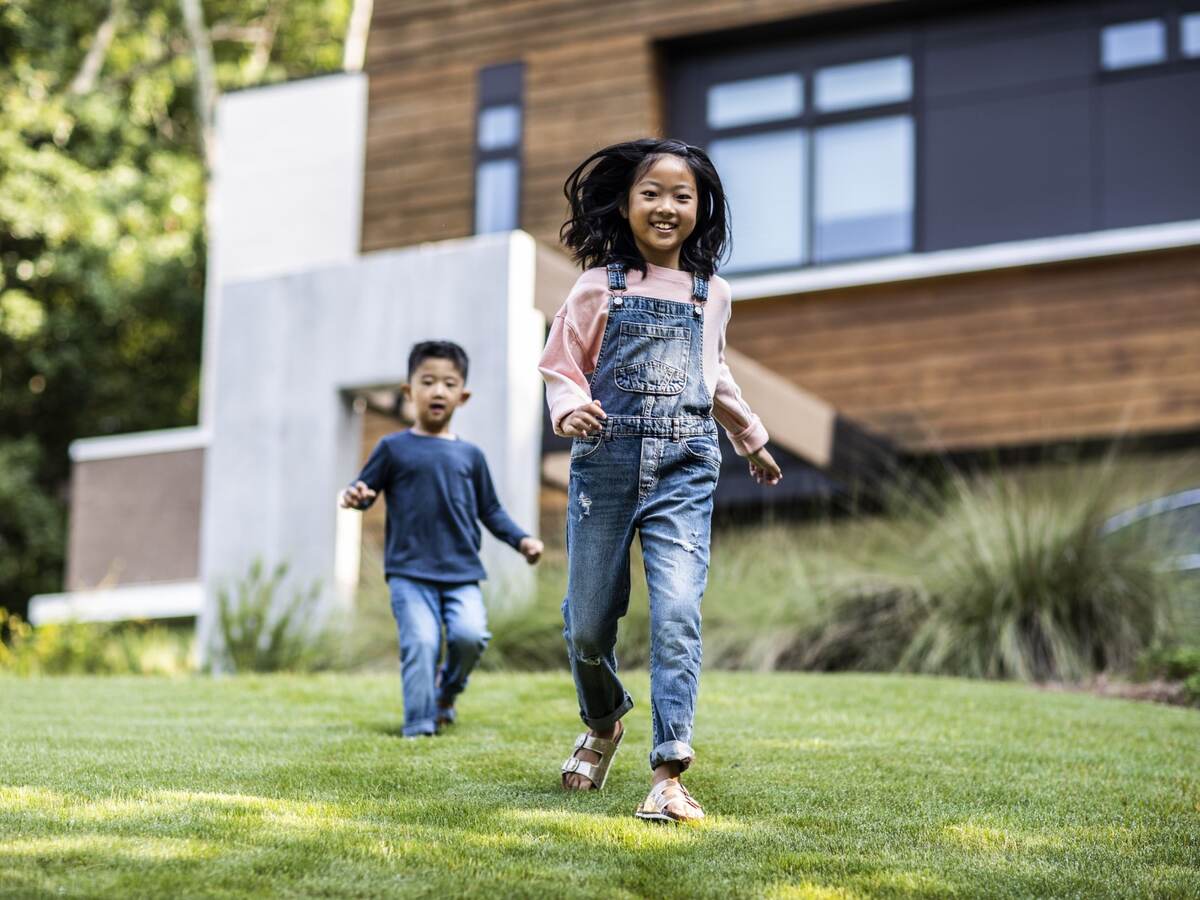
<point x="286" y="193"/>
<point x="285" y="438"/>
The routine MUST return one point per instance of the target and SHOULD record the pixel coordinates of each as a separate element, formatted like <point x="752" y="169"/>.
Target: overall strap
<point x="616" y="276"/>
<point x="699" y="288"/>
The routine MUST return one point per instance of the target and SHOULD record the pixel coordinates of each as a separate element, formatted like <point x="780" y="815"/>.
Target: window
<point x="1129" y="44"/>
<point x="817" y="162"/>
<point x="1189" y="34"/>
<point x="755" y="100"/>
<point x="864" y="84"/>
<point x="864" y="197"/>
<point x="763" y="175"/>
<point x="498" y="149"/>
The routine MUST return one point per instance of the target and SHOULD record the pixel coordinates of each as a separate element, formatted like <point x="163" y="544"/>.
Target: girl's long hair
<point x="597" y="233"/>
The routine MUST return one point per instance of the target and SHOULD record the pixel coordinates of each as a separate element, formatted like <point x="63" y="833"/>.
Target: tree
<point x="102" y="246"/>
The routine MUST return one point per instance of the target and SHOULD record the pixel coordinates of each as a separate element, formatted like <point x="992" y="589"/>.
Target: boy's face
<point x="436" y="389"/>
<point x="661" y="208"/>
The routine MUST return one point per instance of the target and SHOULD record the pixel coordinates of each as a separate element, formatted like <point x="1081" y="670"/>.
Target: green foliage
<point x="77" y="648"/>
<point x="31" y="526"/>
<point x="1175" y="663"/>
<point x="1002" y="575"/>
<point x="102" y="246"/>
<point x="1021" y="582"/>
<point x="260" y="631"/>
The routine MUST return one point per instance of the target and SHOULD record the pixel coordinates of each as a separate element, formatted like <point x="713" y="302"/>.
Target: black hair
<point x="598" y="190"/>
<point x="438" y="350"/>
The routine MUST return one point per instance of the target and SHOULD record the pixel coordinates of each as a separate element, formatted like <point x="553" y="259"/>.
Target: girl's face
<point x="661" y="208"/>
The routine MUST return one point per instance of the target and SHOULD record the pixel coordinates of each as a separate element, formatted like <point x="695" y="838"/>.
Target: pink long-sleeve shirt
<point x="574" y="345"/>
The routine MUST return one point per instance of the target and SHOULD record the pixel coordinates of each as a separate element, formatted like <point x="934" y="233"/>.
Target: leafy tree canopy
<point x="102" y="248"/>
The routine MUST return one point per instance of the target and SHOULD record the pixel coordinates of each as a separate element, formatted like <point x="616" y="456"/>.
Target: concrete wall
<point x="285" y="436"/>
<point x="286" y="195"/>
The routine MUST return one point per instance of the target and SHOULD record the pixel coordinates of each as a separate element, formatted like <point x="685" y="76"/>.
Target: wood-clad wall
<point x="1026" y="356"/>
<point x="591" y="78"/>
<point x="1088" y="349"/>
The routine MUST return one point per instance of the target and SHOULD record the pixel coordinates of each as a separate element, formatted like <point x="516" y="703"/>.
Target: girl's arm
<point x="745" y="429"/>
<point x="571" y="349"/>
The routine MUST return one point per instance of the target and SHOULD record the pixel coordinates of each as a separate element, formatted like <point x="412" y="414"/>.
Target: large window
<point x="1000" y="122"/>
<point x="498" y="149"/>
<point x="817" y="161"/>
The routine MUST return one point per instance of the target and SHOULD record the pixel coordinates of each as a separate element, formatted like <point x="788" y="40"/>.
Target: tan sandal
<point x="597" y="772"/>
<point x="656" y="806"/>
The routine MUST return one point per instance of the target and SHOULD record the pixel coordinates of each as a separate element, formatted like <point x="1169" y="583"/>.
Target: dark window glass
<point x="498" y="149"/>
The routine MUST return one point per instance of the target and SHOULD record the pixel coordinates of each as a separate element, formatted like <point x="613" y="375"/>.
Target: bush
<point x="77" y="648"/>
<point x="1020" y="581"/>
<point x="1002" y="574"/>
<point x="259" y="632"/>
<point x="1174" y="663"/>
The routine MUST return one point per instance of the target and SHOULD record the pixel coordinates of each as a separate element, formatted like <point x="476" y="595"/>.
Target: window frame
<point x="694" y="78"/>
<point x="1171" y="13"/>
<point x="498" y="86"/>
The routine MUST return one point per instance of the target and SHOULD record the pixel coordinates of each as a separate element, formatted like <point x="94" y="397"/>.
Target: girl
<point x="635" y="373"/>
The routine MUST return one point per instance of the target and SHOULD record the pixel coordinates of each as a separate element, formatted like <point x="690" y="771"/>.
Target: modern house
<point x="958" y="227"/>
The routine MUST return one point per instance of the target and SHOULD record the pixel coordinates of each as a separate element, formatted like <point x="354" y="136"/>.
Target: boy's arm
<point x="363" y="491"/>
<point x="491" y="513"/>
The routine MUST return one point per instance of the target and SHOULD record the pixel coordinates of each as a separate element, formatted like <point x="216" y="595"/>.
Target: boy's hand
<point x="763" y="468"/>
<point x="584" y="421"/>
<point x="531" y="548"/>
<point x="355" y="497"/>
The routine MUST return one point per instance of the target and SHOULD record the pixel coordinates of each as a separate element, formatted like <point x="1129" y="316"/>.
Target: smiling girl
<point x="635" y="374"/>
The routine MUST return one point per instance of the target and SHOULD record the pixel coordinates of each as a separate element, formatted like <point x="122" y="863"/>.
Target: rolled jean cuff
<point x="672" y="751"/>
<point x="420" y="726"/>
<point x="610" y="720"/>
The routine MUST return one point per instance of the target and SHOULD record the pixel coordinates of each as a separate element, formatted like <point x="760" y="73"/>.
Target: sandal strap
<point x="597" y="772"/>
<point x="665" y="793"/>
<point x="580" y="767"/>
<point x="600" y="745"/>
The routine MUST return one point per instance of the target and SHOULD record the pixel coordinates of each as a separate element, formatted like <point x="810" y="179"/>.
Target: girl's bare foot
<point x="573" y="781"/>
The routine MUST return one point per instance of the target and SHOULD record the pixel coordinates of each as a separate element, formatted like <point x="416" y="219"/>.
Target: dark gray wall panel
<point x="1150" y="142"/>
<point x="1006" y="169"/>
<point x="1008" y="62"/>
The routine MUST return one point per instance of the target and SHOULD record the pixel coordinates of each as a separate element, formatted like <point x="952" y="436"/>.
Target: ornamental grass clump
<point x="1020" y="581"/>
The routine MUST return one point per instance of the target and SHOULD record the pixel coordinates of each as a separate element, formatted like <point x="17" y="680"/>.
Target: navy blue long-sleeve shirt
<point x="438" y="491"/>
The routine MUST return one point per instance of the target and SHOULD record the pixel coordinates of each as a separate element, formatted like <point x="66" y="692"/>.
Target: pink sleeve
<point x="571" y="349"/>
<point x="745" y="429"/>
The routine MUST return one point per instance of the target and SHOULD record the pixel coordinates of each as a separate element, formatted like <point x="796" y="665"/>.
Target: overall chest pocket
<point x="653" y="358"/>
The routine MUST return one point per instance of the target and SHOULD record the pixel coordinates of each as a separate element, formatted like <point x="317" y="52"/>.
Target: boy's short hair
<point x="438" y="350"/>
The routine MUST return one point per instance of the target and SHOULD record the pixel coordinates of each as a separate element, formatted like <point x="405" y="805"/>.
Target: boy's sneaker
<point x="446" y="716"/>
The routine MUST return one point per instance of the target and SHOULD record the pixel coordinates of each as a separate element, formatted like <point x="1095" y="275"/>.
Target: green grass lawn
<point x="816" y="786"/>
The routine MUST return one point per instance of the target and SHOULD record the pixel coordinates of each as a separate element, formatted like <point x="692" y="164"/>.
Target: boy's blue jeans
<point x="421" y="609"/>
<point x="662" y="489"/>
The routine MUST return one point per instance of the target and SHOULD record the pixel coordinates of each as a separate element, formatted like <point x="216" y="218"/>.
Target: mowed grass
<point x="816" y="785"/>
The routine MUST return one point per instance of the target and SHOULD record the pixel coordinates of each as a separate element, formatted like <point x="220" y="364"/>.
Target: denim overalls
<point x="653" y="469"/>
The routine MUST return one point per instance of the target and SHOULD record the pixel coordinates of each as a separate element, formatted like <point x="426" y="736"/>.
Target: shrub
<point x="1020" y="582"/>
<point x="257" y="631"/>
<point x="77" y="648"/>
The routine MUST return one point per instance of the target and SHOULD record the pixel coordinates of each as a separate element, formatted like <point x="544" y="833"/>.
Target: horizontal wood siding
<point x="1087" y="349"/>
<point x="1024" y="356"/>
<point x="591" y="78"/>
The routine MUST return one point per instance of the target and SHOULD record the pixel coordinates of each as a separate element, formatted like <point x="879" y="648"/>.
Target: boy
<point x="438" y="490"/>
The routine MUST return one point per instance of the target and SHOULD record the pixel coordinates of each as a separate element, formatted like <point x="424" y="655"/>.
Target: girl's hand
<point x="763" y="468"/>
<point x="584" y="421"/>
